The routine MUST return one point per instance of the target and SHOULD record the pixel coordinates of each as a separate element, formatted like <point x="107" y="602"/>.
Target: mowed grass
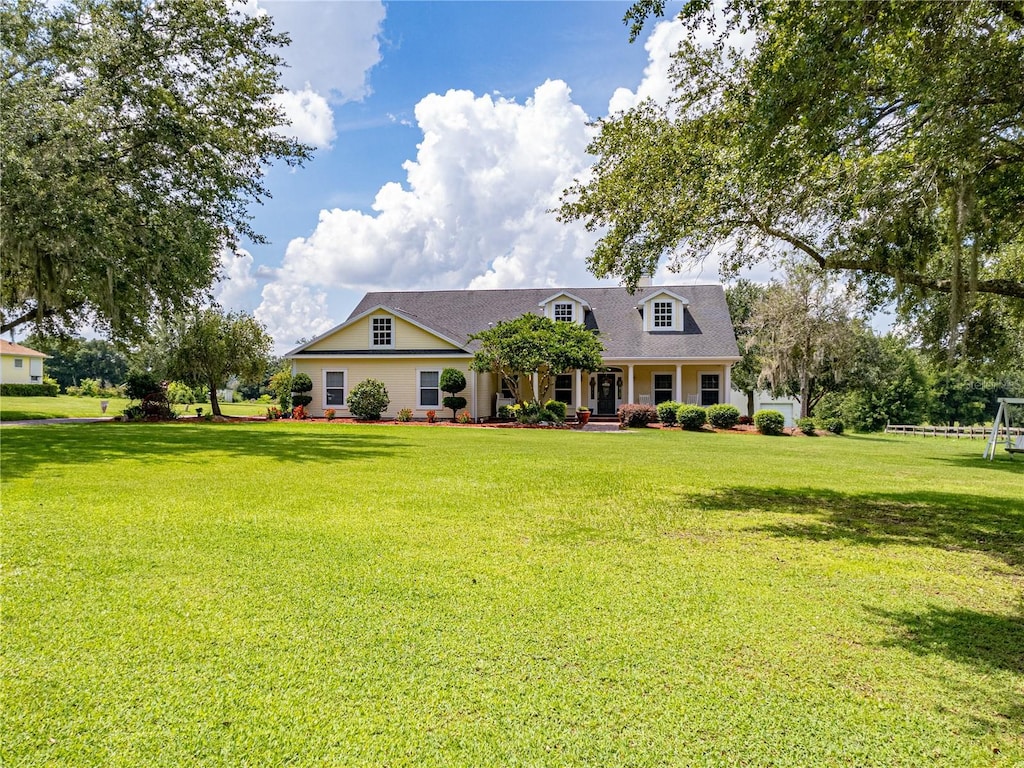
<point x="66" y="406"/>
<point x="324" y="594"/>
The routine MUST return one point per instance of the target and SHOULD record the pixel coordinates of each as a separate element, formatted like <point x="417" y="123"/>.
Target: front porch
<point x="649" y="383"/>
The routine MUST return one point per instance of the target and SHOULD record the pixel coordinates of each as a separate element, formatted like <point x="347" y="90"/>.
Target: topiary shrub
<point x="833" y="425"/>
<point x="634" y="415"/>
<point x="806" y="425"/>
<point x="691" y="416"/>
<point x="557" y="409"/>
<point x="368" y="399"/>
<point x="301" y="384"/>
<point x="769" y="422"/>
<point x="452" y="381"/>
<point x="667" y="412"/>
<point x="723" y="416"/>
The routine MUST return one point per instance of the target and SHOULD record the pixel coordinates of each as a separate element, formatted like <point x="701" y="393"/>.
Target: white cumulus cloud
<point x="309" y="116"/>
<point x="656" y="84"/>
<point x="475" y="209"/>
<point x="237" y="281"/>
<point x="291" y="312"/>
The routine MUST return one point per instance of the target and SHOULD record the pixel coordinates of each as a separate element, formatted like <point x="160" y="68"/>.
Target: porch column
<point x="578" y="394"/>
<point x="679" y="383"/>
<point x="629" y="374"/>
<point x="475" y="412"/>
<point x="535" y="378"/>
<point x="727" y="395"/>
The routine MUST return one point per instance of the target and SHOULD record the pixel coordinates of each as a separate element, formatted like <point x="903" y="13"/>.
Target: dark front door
<point x="606" y="394"/>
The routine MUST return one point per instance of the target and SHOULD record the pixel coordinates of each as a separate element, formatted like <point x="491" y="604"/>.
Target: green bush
<point x="29" y="390"/>
<point x="301" y="384"/>
<point x="691" y="416"/>
<point x="635" y="415"/>
<point x="138" y="384"/>
<point x="806" y="425"/>
<point x="557" y="409"/>
<point x="454" y="402"/>
<point x="667" y="412"/>
<point x="769" y="422"/>
<point x="368" y="400"/>
<point x="833" y="425"/>
<point x="405" y="414"/>
<point x="723" y="416"/>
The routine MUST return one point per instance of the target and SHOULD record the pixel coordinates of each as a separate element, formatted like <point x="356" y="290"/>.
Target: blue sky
<point x="445" y="133"/>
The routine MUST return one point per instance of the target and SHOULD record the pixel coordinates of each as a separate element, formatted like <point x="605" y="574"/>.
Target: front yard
<point x="312" y="594"/>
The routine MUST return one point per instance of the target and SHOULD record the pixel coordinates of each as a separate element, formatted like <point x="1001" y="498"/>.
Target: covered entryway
<point x="606" y="394"/>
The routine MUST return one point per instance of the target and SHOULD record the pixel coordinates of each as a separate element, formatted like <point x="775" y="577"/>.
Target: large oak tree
<point x="135" y="135"/>
<point x="881" y="138"/>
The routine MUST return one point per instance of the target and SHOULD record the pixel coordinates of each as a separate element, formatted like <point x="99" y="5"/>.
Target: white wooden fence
<point x="958" y="432"/>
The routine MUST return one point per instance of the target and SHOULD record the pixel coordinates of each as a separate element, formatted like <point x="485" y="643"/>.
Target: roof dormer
<point x="564" y="307"/>
<point x="663" y="312"/>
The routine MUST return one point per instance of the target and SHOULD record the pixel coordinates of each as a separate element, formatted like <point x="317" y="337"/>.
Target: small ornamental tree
<point x="453" y="381"/>
<point x="301" y="384"/>
<point x="368" y="400"/>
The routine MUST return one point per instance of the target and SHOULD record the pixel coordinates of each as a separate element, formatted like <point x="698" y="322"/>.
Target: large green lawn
<point x="66" y="406"/>
<point x="324" y="594"/>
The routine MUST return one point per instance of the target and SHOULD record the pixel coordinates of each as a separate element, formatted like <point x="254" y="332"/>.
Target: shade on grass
<point x="321" y="594"/>
<point x="66" y="406"/>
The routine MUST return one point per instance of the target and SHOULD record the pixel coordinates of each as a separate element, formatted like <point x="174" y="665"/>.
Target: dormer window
<point x="663" y="315"/>
<point x="381" y="332"/>
<point x="563" y="312"/>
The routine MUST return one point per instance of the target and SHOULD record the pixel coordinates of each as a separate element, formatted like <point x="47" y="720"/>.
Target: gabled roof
<point x="707" y="330"/>
<point x="356" y="316"/>
<point x="10" y="348"/>
<point x="560" y="294"/>
<point x="664" y="292"/>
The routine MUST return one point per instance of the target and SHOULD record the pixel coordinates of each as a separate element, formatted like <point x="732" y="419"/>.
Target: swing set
<point x="1004" y="421"/>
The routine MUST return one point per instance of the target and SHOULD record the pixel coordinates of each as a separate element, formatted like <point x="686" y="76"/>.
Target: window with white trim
<point x="334" y="389"/>
<point x="563" y="312"/>
<point x="709" y="394"/>
<point x="662" y="314"/>
<point x="663" y="390"/>
<point x="563" y="388"/>
<point x="429" y="387"/>
<point x="381" y="335"/>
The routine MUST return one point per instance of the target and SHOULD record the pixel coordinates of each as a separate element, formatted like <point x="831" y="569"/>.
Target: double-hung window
<point x="381" y="334"/>
<point x="563" y="312"/>
<point x="563" y="388"/>
<point x="429" y="389"/>
<point x="662" y="314"/>
<point x="662" y="387"/>
<point x="334" y="389"/>
<point x="19" y="363"/>
<point x="709" y="393"/>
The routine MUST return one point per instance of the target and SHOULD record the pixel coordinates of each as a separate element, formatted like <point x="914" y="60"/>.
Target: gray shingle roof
<point x="708" y="331"/>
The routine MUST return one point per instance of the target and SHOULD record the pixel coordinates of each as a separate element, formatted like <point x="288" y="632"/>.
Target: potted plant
<point x="583" y="415"/>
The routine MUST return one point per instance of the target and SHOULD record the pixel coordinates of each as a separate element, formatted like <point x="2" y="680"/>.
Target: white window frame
<point x="390" y="332"/>
<point x="343" y="388"/>
<point x="420" y="388"/>
<point x="657" y="323"/>
<point x="563" y="305"/>
<point x="701" y="390"/>
<point x="672" y="387"/>
<point x="571" y="388"/>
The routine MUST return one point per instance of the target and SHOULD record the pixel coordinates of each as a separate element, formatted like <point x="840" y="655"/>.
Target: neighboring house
<point x="20" y="365"/>
<point x="661" y="343"/>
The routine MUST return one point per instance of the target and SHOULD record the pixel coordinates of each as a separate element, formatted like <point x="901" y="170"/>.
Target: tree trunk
<point x="750" y="402"/>
<point x="214" y="405"/>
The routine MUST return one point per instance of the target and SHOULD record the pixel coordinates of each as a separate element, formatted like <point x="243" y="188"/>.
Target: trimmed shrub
<point x="723" y="416"/>
<point x="634" y="415"/>
<point x="769" y="422"/>
<point x="557" y="409"/>
<point x="806" y="425"/>
<point x="405" y="414"/>
<point x="368" y="399"/>
<point x="29" y="390"/>
<point x="833" y="425"/>
<point x="691" y="416"/>
<point x="301" y="384"/>
<point x="667" y="412"/>
<point x="454" y="402"/>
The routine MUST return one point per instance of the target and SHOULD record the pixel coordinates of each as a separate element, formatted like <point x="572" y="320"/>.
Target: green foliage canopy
<point x="135" y="136"/>
<point x="534" y="344"/>
<point x="881" y="138"/>
<point x="210" y="346"/>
